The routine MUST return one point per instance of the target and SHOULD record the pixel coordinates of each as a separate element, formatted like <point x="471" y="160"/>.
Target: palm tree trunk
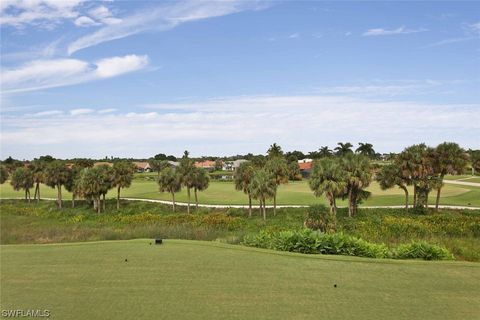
<point x="59" y="197"/>
<point x="73" y="199"/>
<point x="350" y="208"/>
<point x="334" y="205"/>
<point x="98" y="205"/>
<point x="103" y="195"/>
<point x="437" y="202"/>
<point x="196" y="198"/>
<point x="188" y="206"/>
<point x="415" y="195"/>
<point x="264" y="210"/>
<point x="118" y="198"/>
<point x="26" y="199"/>
<point x="37" y="192"/>
<point x="260" y="206"/>
<point x="426" y="198"/>
<point x="275" y="204"/>
<point x="249" y="205"/>
<point x="406" y="197"/>
<point x="173" y="201"/>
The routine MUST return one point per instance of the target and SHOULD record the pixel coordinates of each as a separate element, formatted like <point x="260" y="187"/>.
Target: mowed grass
<point x="206" y="280"/>
<point x="293" y="193"/>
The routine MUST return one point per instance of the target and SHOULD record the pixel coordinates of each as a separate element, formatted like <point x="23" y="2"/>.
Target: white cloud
<point x="243" y="124"/>
<point x="48" y="113"/>
<point x="294" y="36"/>
<point x="81" y="111"/>
<point x="42" y="74"/>
<point x="475" y="27"/>
<point x="84" y="21"/>
<point x="385" y="32"/>
<point x="104" y="111"/>
<point x="161" y="18"/>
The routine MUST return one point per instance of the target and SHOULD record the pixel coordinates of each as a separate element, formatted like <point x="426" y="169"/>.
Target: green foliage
<point x="318" y="217"/>
<point x="422" y="250"/>
<point x="3" y="174"/>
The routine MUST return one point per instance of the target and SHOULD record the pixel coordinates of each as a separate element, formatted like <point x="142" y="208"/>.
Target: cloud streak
<point x="386" y="32"/>
<point x="162" y="18"/>
<point x="43" y="74"/>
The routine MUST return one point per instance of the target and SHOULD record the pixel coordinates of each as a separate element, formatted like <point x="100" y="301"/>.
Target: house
<point x="174" y="164"/>
<point x="305" y="168"/>
<point x="305" y="160"/>
<point x="233" y="165"/>
<point x="143" y="166"/>
<point x="207" y="165"/>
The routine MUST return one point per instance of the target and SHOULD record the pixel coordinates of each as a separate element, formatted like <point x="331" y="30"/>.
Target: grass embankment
<point x="458" y="231"/>
<point x="299" y="193"/>
<point x="206" y="280"/>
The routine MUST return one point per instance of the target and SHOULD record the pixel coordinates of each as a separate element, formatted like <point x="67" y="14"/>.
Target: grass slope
<point x="292" y="193"/>
<point x="201" y="280"/>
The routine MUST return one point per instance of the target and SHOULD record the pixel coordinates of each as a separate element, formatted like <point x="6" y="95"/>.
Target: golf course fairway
<point x="207" y="280"/>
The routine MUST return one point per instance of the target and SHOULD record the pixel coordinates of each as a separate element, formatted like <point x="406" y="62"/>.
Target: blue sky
<point x="132" y="79"/>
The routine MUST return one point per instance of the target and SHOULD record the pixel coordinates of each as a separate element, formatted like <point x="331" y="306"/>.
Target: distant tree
<point x="122" y="176"/>
<point x="474" y="160"/>
<point x="12" y="164"/>
<point x="258" y="161"/>
<point x="56" y="175"/>
<point x="3" y="174"/>
<point x="327" y="178"/>
<point x="358" y="175"/>
<point x="107" y="176"/>
<point x="186" y="169"/>
<point x="201" y="181"/>
<point x="72" y="182"/>
<point x="297" y="154"/>
<point x="366" y="149"/>
<point x="46" y="159"/>
<point x="325" y="152"/>
<point x="38" y="170"/>
<point x="448" y="158"/>
<point x="278" y="169"/>
<point x="343" y="149"/>
<point x="392" y="175"/>
<point x="89" y="186"/>
<point x="294" y="173"/>
<point x="158" y="165"/>
<point x="83" y="163"/>
<point x="169" y="181"/>
<point x="243" y="178"/>
<point x="218" y="165"/>
<point x="274" y="151"/>
<point x="160" y="156"/>
<point x="262" y="187"/>
<point x="22" y="179"/>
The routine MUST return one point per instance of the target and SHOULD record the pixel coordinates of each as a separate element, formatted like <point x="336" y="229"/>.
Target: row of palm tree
<point x="85" y="181"/>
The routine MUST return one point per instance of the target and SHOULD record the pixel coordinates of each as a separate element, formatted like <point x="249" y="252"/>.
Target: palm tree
<point x="327" y="178"/>
<point x="169" y="181"/>
<point x="107" y="176"/>
<point x="343" y="148"/>
<point x="201" y="181"/>
<point x="358" y="174"/>
<point x="38" y="170"/>
<point x="392" y="175"/>
<point x="262" y="187"/>
<point x="275" y="151"/>
<point x="89" y="186"/>
<point x="22" y="178"/>
<point x="365" y="149"/>
<point x="158" y="165"/>
<point x="3" y="174"/>
<point x="474" y="160"/>
<point x="56" y="175"/>
<point x="449" y="159"/>
<point x="242" y="178"/>
<point x="122" y="176"/>
<point x="278" y="169"/>
<point x="186" y="170"/>
<point x="324" y="152"/>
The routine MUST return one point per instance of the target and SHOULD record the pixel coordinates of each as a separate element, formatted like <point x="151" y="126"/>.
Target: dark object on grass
<point x="158" y="241"/>
<point x="126" y="260"/>
<point x="150" y="243"/>
<point x="335" y="285"/>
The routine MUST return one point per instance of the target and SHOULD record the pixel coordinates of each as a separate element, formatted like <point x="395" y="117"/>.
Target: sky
<point x="138" y="78"/>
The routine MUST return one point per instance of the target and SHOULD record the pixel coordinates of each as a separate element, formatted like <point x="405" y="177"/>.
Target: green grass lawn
<point x="206" y="280"/>
<point x="292" y="193"/>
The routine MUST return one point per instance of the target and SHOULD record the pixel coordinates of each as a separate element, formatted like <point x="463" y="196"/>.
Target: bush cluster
<point x="308" y="241"/>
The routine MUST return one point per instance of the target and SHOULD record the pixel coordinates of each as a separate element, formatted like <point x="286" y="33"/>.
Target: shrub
<point x="319" y="217"/>
<point x="422" y="250"/>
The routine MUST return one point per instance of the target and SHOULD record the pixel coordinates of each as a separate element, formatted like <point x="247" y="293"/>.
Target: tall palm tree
<point x="158" y="165"/>
<point x="275" y="151"/>
<point x="327" y="178"/>
<point x="122" y="176"/>
<point x="365" y="149"/>
<point x="38" y="170"/>
<point x="89" y="186"/>
<point x="392" y="175"/>
<point x="201" y="181"/>
<point x="186" y="169"/>
<point x="358" y="174"/>
<point x="169" y="181"/>
<point x="449" y="159"/>
<point x="262" y="187"/>
<point x="242" y="178"/>
<point x="343" y="148"/>
<point x="278" y="169"/>
<point x="324" y="152"/>
<point x="56" y="175"/>
<point x="107" y="175"/>
<point x="22" y="178"/>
